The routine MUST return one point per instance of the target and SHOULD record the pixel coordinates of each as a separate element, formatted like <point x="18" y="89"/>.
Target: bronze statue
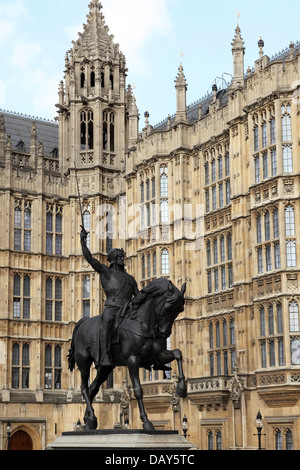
<point x="131" y="332"/>
<point x="119" y="288"/>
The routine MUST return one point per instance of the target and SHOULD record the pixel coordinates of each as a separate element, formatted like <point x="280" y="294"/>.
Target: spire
<point x="238" y="52"/>
<point x="95" y="40"/>
<point x="181" y="88"/>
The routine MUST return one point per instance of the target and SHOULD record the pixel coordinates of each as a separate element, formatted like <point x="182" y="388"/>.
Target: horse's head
<point x="172" y="306"/>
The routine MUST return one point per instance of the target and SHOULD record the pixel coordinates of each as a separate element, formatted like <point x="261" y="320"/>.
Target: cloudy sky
<point x="35" y="34"/>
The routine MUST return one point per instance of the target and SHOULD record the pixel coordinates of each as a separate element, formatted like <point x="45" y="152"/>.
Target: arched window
<point x="219" y="440"/>
<point x="164" y="181"/>
<point x="26" y="297"/>
<point x="291" y="260"/>
<point x="17" y="297"/>
<point x="86" y="295"/>
<point x="108" y="133"/>
<point x="87" y="223"/>
<point x="210" y="439"/>
<point x="289" y="221"/>
<point x="111" y="80"/>
<point x="294" y="316"/>
<point x="87" y="129"/>
<point x="48" y="366"/>
<point x="82" y="80"/>
<point x="278" y="439"/>
<point x="57" y="368"/>
<point x="279" y="318"/>
<point x="92" y="79"/>
<point x="232" y="332"/>
<point x="208" y="253"/>
<point x="143" y="267"/>
<point x="165" y="263"/>
<point x="267" y="226"/>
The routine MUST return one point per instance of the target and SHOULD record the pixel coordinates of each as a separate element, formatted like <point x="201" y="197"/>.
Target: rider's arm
<point x="96" y="265"/>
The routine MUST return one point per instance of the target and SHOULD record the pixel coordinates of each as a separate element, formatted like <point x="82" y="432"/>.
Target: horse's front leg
<point x="138" y="392"/>
<point x="165" y="357"/>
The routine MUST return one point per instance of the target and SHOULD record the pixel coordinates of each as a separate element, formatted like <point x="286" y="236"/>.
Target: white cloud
<point x="24" y="54"/>
<point x="10" y="13"/>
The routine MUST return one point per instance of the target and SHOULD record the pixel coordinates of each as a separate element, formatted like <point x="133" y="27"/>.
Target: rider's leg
<point x="105" y="333"/>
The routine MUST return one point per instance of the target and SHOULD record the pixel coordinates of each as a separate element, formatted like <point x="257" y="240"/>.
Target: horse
<point x="139" y="341"/>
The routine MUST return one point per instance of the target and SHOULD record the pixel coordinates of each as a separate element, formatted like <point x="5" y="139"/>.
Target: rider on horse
<point x="119" y="288"/>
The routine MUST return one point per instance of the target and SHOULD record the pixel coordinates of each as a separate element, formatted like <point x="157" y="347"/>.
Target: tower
<point x="92" y="99"/>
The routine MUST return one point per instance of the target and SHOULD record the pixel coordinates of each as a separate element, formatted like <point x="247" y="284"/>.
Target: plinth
<point x="119" y="440"/>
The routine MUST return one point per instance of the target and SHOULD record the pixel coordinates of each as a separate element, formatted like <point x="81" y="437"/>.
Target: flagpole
<point x="79" y="197"/>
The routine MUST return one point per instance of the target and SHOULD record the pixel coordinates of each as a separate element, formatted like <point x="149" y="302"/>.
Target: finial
<point x="181" y="57"/>
<point x="238" y="16"/>
<point x="261" y="45"/>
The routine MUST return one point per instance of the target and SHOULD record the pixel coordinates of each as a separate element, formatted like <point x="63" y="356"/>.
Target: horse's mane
<point x="154" y="288"/>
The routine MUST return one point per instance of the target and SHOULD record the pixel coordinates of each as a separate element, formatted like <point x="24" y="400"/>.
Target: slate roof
<point x="19" y="127"/>
<point x="193" y="110"/>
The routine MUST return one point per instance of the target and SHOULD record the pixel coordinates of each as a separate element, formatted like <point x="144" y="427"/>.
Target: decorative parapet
<point x="279" y="388"/>
<point x="210" y="392"/>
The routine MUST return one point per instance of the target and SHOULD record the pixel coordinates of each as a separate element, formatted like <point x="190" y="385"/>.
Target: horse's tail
<point x="71" y="355"/>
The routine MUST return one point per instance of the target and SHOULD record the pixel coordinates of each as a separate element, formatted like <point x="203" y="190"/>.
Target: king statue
<point x="119" y="287"/>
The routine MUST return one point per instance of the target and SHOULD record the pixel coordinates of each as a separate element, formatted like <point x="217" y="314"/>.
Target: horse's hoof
<point x="148" y="426"/>
<point x="91" y="424"/>
<point x="181" y="390"/>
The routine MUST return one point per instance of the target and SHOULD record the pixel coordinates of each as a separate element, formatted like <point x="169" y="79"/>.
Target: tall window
<point x="257" y="169"/>
<point x="86" y="296"/>
<point x="21" y="297"/>
<point x="264" y="134"/>
<point x="286" y="123"/>
<point x="291" y="260"/>
<point x="274" y="162"/>
<point x="109" y="231"/>
<point x="20" y="365"/>
<point x="164" y="192"/>
<point x="54" y="298"/>
<point x="273" y="131"/>
<point x="256" y="138"/>
<point x="287" y="159"/>
<point x="22" y="225"/>
<point x="54" y="230"/>
<point x="164" y="181"/>
<point x="86" y="129"/>
<point x="53" y="367"/>
<point x="270" y="329"/>
<point x="165" y="263"/>
<point x="87" y="223"/>
<point x="219" y="347"/>
<point x="280" y="434"/>
<point x="289" y="221"/>
<point x="92" y="79"/>
<point x="294" y="316"/>
<point x="108" y="141"/>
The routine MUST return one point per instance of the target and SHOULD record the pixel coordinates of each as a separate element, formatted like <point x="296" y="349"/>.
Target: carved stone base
<point x="121" y="440"/>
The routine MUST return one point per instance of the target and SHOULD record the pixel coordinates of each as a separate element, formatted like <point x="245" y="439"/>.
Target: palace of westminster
<point x="209" y="197"/>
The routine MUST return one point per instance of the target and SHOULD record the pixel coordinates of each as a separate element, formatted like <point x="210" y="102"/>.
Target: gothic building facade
<point x="210" y="197"/>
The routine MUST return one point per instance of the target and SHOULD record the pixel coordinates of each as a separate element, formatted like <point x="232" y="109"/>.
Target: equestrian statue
<point x="132" y="331"/>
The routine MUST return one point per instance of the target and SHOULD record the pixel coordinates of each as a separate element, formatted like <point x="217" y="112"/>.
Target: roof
<point x="19" y="127"/>
<point x="192" y="111"/>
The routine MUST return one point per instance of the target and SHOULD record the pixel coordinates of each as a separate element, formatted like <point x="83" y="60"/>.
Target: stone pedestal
<point x="119" y="440"/>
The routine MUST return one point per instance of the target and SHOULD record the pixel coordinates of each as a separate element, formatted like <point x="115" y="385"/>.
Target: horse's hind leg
<point x="89" y="417"/>
<point x="101" y="377"/>
<point x="138" y="392"/>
